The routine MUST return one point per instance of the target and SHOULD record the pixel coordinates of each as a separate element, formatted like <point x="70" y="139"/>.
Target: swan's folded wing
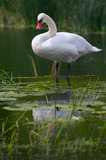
<point x="65" y="47"/>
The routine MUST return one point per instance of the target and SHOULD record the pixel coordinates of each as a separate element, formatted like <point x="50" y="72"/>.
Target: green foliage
<point x="6" y="80"/>
<point x="14" y="136"/>
<point x="74" y="15"/>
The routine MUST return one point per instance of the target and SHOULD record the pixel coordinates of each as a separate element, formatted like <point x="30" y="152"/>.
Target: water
<point x="80" y="133"/>
<point x="15" y="48"/>
<point x="66" y="134"/>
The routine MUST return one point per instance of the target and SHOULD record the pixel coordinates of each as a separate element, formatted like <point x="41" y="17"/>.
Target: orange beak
<point x="39" y="25"/>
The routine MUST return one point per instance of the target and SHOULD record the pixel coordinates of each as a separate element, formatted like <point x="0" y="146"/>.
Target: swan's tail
<point x="95" y="49"/>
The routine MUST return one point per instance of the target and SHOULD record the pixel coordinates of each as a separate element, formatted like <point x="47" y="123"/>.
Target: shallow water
<point x="55" y="125"/>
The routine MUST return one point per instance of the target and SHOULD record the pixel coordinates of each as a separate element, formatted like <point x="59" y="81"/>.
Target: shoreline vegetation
<point x="45" y="28"/>
<point x="73" y="15"/>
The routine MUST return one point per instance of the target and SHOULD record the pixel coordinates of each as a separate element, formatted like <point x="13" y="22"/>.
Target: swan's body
<point x="59" y="46"/>
<point x="65" y="47"/>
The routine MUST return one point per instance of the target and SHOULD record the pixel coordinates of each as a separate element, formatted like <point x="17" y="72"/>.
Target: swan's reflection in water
<point x="56" y="99"/>
<point x="41" y="114"/>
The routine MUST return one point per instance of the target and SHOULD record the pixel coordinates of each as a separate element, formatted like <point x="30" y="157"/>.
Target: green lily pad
<point x="13" y="108"/>
<point x="104" y="107"/>
<point x="26" y="105"/>
<point x="95" y="103"/>
<point x="11" y="94"/>
<point x="7" y="99"/>
<point x="99" y="112"/>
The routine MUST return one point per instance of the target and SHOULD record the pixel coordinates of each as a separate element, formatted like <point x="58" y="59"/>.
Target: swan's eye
<point x="40" y="21"/>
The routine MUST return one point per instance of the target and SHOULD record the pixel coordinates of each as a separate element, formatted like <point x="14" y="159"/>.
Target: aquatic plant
<point x="34" y="66"/>
<point x="9" y="145"/>
<point x="62" y="132"/>
<point x="6" y="79"/>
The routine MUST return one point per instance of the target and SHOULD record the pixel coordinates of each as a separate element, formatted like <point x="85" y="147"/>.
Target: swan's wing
<point x="75" y="40"/>
<point x="64" y="47"/>
<point x="65" y="42"/>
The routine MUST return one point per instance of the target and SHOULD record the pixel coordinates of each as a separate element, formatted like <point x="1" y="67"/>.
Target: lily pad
<point x="26" y="105"/>
<point x="7" y="99"/>
<point x="104" y="107"/>
<point x="13" y="108"/>
<point x="95" y="103"/>
<point x="11" y="94"/>
<point x="99" y="112"/>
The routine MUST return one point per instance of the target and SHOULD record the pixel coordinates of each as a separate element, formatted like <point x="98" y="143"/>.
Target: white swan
<point x="59" y="46"/>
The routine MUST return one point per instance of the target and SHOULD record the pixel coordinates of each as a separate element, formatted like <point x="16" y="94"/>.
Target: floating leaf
<point x="8" y="99"/>
<point x="99" y="112"/>
<point x="104" y="107"/>
<point x="12" y="94"/>
<point x="95" y="103"/>
<point x="13" y="108"/>
<point x="26" y="105"/>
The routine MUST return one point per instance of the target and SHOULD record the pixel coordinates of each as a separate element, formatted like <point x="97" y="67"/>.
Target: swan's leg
<point x="67" y="75"/>
<point x="64" y="76"/>
<point x="56" y="74"/>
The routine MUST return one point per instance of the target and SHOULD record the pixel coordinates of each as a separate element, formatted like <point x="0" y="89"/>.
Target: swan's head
<point x="41" y="20"/>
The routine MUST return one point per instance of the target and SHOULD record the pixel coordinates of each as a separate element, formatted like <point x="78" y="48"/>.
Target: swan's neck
<point x="52" y="27"/>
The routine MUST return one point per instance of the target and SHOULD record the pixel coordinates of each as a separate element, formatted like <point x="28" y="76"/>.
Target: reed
<point x="34" y="66"/>
<point x="13" y="137"/>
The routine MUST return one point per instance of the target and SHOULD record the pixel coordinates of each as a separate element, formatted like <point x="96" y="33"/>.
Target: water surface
<point x="15" y="48"/>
